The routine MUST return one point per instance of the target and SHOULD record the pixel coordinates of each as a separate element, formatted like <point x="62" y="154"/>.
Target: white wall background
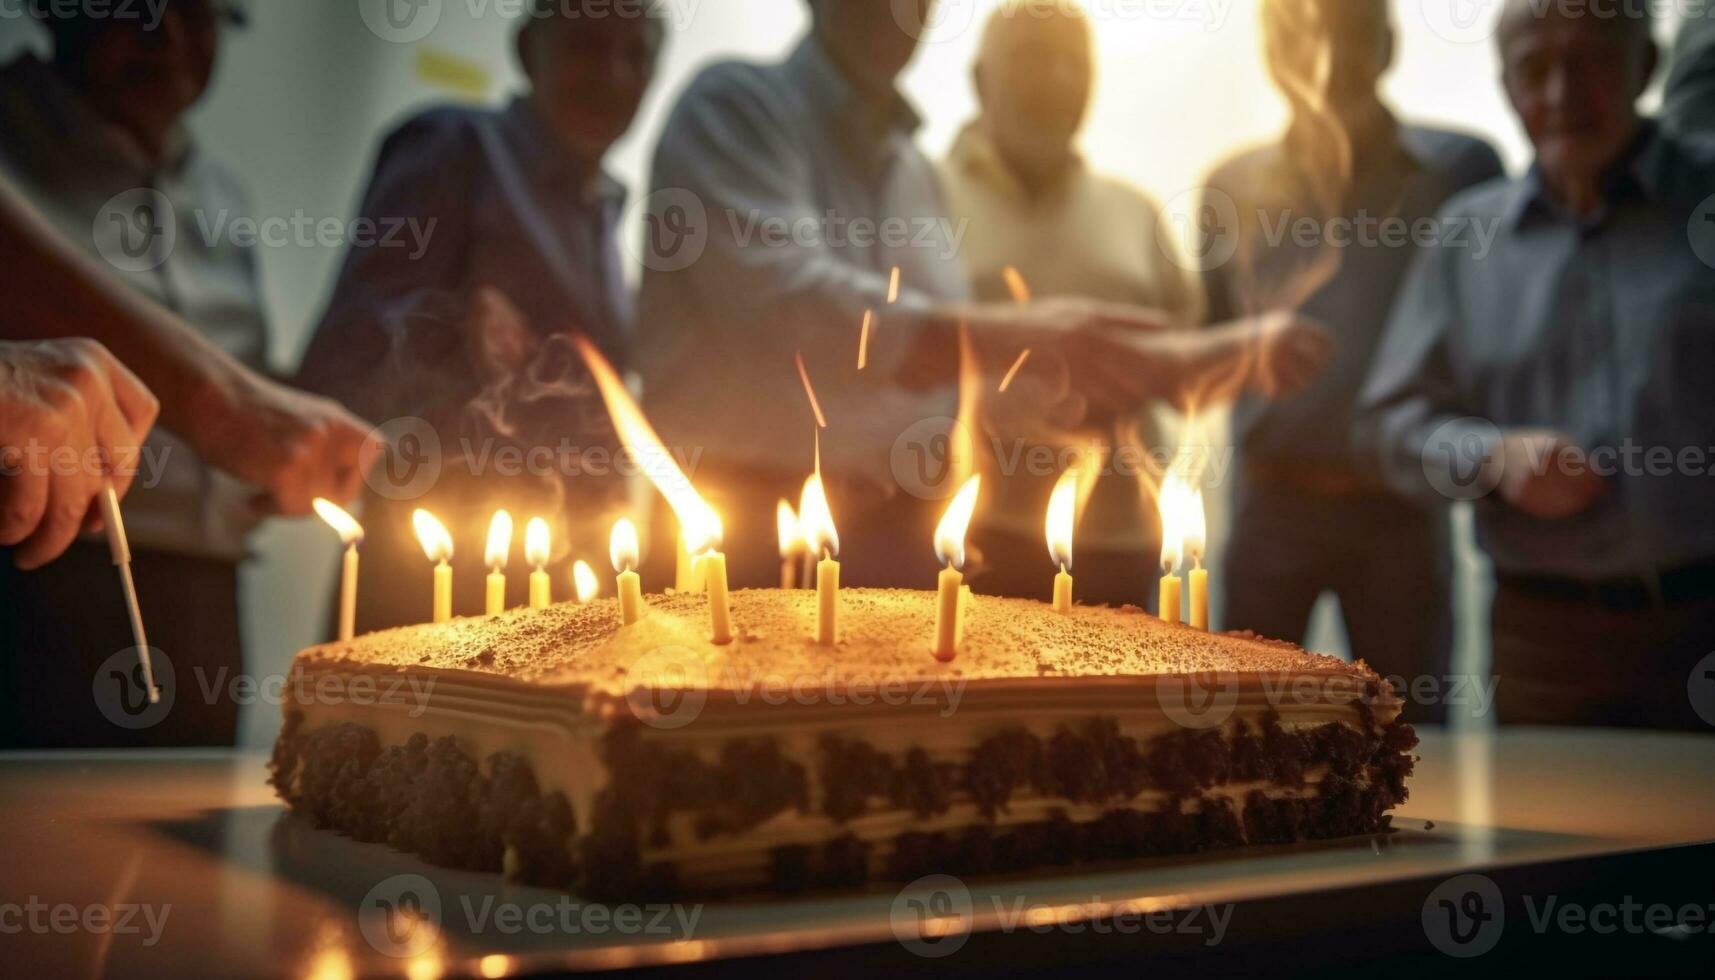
<point x="305" y="92"/>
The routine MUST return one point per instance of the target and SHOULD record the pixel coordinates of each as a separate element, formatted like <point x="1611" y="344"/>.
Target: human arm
<point x="293" y="446"/>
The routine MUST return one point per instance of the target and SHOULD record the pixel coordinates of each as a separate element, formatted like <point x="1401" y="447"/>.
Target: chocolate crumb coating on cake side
<point x="1073" y="739"/>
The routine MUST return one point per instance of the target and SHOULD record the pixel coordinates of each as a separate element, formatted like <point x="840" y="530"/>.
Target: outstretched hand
<point x="74" y="418"/>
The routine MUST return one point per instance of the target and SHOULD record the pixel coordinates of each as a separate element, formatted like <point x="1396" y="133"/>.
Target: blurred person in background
<point x="1036" y="207"/>
<point x="1312" y="512"/>
<point x="94" y="138"/>
<point x="784" y="195"/>
<point x="1560" y="380"/>
<point x="518" y="219"/>
<point x="1688" y="104"/>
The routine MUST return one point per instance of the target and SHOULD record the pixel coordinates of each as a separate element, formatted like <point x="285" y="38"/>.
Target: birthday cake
<point x="644" y="761"/>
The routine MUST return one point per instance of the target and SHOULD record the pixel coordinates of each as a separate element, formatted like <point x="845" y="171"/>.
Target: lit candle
<point x="438" y="545"/>
<point x="952" y="595"/>
<point x="584" y="583"/>
<point x="714" y="583"/>
<point x="791" y="543"/>
<point x="700" y="525"/>
<point x="536" y="553"/>
<point x="351" y="535"/>
<point x="1062" y="515"/>
<point x="1175" y="503"/>
<point x="622" y="550"/>
<point x="821" y="538"/>
<point x="1196" y="535"/>
<point x="494" y="556"/>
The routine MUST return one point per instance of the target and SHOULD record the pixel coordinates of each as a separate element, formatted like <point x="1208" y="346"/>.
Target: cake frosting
<point x="562" y="748"/>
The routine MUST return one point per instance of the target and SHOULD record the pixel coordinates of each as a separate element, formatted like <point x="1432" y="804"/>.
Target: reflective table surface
<point x="185" y="864"/>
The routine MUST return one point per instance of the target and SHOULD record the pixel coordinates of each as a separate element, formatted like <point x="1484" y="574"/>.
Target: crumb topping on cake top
<point x="886" y="634"/>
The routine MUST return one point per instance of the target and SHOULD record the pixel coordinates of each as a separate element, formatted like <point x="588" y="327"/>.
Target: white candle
<point x="351" y="534"/>
<point x="494" y="556"/>
<point x="1062" y="516"/>
<point x="952" y="595"/>
<point x="438" y="546"/>
<point x="536" y="551"/>
<point x="622" y="550"/>
<point x="821" y="538"/>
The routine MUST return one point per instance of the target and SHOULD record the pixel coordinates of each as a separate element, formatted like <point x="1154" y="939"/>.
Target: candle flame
<point x="584" y="581"/>
<point x="1015" y="284"/>
<point x="499" y="541"/>
<point x="1062" y="516"/>
<point x="437" y="543"/>
<point x="698" y="522"/>
<point x="350" y="532"/>
<point x="950" y="533"/>
<point x="1181" y="514"/>
<point x="817" y="520"/>
<point x="536" y="543"/>
<point x="622" y="545"/>
<point x="1196" y="528"/>
<point x="786" y="521"/>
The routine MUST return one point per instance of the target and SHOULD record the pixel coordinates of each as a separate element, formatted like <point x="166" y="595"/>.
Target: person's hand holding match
<point x="74" y="420"/>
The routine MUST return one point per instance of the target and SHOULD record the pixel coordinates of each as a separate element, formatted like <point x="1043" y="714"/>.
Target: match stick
<point x="121" y="550"/>
<point x="1017" y="366"/>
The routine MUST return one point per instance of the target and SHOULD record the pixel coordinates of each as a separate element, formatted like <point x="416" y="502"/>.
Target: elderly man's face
<point x="1035" y="77"/>
<point x="145" y="77"/>
<point x="875" y="39"/>
<point x="1574" y="83"/>
<point x="590" y="75"/>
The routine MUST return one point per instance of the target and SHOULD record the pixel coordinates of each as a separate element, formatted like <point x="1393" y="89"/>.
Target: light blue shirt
<point x="1688" y="103"/>
<point x="774" y="190"/>
<point x="1600" y="327"/>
